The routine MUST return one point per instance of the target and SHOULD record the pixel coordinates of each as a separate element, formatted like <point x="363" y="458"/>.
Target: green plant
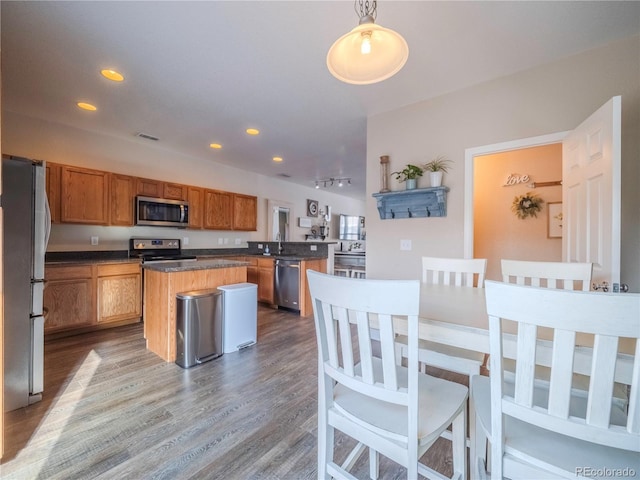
<point x="408" y="173"/>
<point x="438" y="164"/>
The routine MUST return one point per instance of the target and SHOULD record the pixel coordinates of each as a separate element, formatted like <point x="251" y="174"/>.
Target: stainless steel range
<point x="157" y="250"/>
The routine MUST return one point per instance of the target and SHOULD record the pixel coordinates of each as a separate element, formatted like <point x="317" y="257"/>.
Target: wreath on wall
<point x="527" y="205"/>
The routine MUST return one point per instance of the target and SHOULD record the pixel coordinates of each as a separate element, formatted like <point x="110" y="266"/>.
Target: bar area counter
<point x="162" y="281"/>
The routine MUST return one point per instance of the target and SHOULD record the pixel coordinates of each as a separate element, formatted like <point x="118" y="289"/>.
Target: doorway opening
<point x="471" y="154"/>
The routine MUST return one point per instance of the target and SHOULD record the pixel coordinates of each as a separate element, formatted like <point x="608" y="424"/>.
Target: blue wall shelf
<point x="416" y="203"/>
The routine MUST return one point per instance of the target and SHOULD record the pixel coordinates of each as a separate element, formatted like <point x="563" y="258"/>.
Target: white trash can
<point x="240" y="315"/>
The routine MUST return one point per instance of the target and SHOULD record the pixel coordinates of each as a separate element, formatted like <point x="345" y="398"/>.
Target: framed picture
<point x="312" y="208"/>
<point x="554" y="228"/>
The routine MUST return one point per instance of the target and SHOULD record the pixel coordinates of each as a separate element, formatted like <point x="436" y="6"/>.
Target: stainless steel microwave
<point x="162" y="212"/>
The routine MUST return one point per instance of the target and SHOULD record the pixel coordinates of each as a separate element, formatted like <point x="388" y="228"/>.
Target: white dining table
<point x="457" y="316"/>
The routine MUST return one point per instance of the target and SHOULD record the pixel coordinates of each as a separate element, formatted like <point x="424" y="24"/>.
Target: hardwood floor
<point x="111" y="409"/>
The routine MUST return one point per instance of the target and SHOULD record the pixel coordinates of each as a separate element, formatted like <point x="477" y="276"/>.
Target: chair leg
<point x="473" y="454"/>
<point x="325" y="449"/>
<point x="459" y="445"/>
<point x="374" y="464"/>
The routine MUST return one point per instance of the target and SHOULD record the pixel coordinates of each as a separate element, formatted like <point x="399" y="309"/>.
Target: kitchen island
<point x="162" y="281"/>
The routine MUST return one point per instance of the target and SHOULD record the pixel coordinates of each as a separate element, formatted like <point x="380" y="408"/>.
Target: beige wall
<point x="35" y="138"/>
<point x="498" y="232"/>
<point x="551" y="98"/>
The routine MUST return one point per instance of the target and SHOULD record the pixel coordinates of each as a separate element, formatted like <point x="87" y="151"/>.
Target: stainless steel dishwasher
<point x="287" y="283"/>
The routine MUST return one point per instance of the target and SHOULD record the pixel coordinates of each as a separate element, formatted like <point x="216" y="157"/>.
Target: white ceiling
<point x="202" y="72"/>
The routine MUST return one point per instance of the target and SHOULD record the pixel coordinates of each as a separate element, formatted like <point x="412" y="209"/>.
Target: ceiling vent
<point x="147" y="136"/>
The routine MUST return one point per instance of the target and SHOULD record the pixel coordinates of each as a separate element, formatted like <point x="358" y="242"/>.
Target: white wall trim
<point x="469" y="155"/>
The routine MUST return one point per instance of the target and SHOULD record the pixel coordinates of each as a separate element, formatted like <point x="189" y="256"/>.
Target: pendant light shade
<point x="369" y="53"/>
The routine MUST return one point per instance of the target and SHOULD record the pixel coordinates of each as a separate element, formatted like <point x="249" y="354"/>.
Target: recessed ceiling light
<point x="252" y="131"/>
<point x="87" y="106"/>
<point x="112" y="75"/>
<point x="215" y="146"/>
<point x="277" y="159"/>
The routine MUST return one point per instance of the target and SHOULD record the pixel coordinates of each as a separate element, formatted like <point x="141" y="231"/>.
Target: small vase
<point x="412" y="183"/>
<point x="436" y="178"/>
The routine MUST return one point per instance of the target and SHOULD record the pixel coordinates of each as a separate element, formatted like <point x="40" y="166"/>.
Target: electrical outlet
<point x="185" y="240"/>
<point x="238" y="241"/>
<point x="94" y="240"/>
<point x="314" y="248"/>
<point x="260" y="246"/>
<point x="220" y="241"/>
<point x="405" y="244"/>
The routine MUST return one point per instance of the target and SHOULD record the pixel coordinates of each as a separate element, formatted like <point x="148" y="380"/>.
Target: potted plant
<point x="409" y="175"/>
<point x="437" y="168"/>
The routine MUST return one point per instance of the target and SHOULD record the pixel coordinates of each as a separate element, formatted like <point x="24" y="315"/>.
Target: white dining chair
<point x="457" y="272"/>
<point x="565" y="275"/>
<point x="389" y="409"/>
<point x="552" y="432"/>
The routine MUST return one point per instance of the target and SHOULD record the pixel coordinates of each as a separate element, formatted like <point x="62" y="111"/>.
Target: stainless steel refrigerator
<point x="25" y="228"/>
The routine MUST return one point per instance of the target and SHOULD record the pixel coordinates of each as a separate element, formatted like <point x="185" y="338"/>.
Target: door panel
<point x="591" y="193"/>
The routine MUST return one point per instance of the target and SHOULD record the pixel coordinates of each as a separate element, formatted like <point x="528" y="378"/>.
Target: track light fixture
<point x="341" y="181"/>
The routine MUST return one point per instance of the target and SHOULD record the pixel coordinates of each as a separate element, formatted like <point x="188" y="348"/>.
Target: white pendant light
<point x="369" y="53"/>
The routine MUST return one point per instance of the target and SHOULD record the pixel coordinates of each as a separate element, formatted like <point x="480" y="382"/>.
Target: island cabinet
<point x="319" y="265"/>
<point x="162" y="282"/>
<point x="84" y="297"/>
<point x="84" y="196"/>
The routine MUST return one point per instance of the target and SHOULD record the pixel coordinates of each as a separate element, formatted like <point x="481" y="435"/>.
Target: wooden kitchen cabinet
<point x="84" y="297"/>
<point x="245" y="212"/>
<point x="174" y="191"/>
<point x="319" y="265"/>
<point x="266" y="271"/>
<point x="84" y="196"/>
<point x="252" y="269"/>
<point x="119" y="288"/>
<point x="69" y="297"/>
<point x="195" y="196"/>
<point x="149" y="188"/>
<point x="121" y="205"/>
<point x="52" y="182"/>
<point x="218" y="210"/>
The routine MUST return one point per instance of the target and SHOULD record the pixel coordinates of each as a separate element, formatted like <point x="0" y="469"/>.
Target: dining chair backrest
<point x="454" y="271"/>
<point x="344" y="307"/>
<point x="608" y="317"/>
<point x="564" y="275"/>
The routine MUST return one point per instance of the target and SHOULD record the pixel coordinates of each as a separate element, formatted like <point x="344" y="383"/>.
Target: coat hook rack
<point x="544" y="184"/>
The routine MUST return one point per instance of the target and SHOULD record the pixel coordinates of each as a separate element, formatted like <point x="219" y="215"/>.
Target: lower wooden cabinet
<point x="119" y="292"/>
<point x="90" y="296"/>
<point x="69" y="297"/>
<point x="266" y="270"/>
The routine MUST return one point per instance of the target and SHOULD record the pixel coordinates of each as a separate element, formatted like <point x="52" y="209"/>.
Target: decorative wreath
<point x="527" y="205"/>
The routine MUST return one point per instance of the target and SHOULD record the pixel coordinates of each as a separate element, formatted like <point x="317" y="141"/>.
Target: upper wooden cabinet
<point x="81" y="195"/>
<point x="122" y="195"/>
<point x="149" y="188"/>
<point x="53" y="190"/>
<point x="245" y="212"/>
<point x="84" y="196"/>
<point x="174" y="191"/>
<point x="218" y="210"/>
<point x="195" y="197"/>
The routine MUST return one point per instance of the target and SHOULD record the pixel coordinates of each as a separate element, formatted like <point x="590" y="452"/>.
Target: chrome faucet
<point x="280" y="249"/>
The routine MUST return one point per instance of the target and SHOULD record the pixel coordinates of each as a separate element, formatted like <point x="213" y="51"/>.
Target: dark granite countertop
<point x="87" y="261"/>
<point x="186" y="266"/>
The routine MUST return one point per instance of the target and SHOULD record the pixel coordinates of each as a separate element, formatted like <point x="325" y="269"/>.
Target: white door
<point x="591" y="194"/>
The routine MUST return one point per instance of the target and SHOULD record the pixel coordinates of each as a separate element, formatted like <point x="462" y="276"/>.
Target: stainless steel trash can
<point x="199" y="327"/>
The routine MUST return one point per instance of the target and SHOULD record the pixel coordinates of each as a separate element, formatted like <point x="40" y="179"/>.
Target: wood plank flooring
<point x="113" y="410"/>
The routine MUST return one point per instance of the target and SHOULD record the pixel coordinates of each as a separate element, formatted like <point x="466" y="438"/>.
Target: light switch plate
<point x="405" y="244"/>
<point x="94" y="240"/>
